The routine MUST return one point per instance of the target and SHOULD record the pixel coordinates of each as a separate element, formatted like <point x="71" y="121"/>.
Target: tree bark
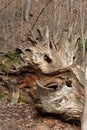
<point x="84" y="116"/>
<point x="27" y="9"/>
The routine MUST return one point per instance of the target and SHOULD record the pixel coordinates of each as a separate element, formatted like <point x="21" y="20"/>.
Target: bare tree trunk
<point x="27" y="10"/>
<point x="84" y="117"/>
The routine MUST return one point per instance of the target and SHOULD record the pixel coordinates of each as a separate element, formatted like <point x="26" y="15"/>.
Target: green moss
<point x="3" y="67"/>
<point x="21" y="98"/>
<point x="14" y="57"/>
<point x="1" y="96"/>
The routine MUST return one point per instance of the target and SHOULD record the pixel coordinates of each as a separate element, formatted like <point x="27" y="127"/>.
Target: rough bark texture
<point x="84" y="116"/>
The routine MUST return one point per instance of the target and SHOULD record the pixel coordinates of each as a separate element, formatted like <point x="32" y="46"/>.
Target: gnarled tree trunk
<point x="60" y="79"/>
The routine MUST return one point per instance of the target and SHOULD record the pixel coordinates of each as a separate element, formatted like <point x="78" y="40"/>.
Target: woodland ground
<point x="22" y="116"/>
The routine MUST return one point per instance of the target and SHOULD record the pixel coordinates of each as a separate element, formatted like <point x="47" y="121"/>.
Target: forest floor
<point x="22" y="116"/>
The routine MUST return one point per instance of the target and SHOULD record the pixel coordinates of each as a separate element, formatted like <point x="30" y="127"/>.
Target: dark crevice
<point x="69" y="83"/>
<point x="27" y="50"/>
<point x="53" y="86"/>
<point x="47" y="58"/>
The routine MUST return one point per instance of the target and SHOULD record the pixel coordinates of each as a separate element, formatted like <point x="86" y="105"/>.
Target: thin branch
<point x="6" y="5"/>
<point x="40" y="14"/>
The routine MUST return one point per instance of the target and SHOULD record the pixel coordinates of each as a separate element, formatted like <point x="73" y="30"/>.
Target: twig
<point x="40" y="14"/>
<point x="34" y="39"/>
<point x="6" y="5"/>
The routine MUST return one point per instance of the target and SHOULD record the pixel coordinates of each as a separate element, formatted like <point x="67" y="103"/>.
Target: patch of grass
<point x="1" y="96"/>
<point x="14" y="57"/>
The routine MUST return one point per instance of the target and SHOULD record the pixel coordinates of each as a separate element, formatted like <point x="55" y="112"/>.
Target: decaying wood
<point x="60" y="87"/>
<point x="55" y="72"/>
<point x="62" y="94"/>
<point x="48" y="58"/>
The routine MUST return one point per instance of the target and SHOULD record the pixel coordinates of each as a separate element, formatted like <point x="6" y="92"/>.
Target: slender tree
<point x="27" y="10"/>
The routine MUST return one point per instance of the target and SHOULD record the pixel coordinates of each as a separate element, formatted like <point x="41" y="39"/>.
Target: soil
<point x="14" y="33"/>
<point x="23" y="116"/>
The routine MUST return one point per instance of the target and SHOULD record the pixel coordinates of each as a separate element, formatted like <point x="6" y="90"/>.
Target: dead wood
<point x="61" y="94"/>
<point x="55" y="72"/>
<point x="60" y="78"/>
